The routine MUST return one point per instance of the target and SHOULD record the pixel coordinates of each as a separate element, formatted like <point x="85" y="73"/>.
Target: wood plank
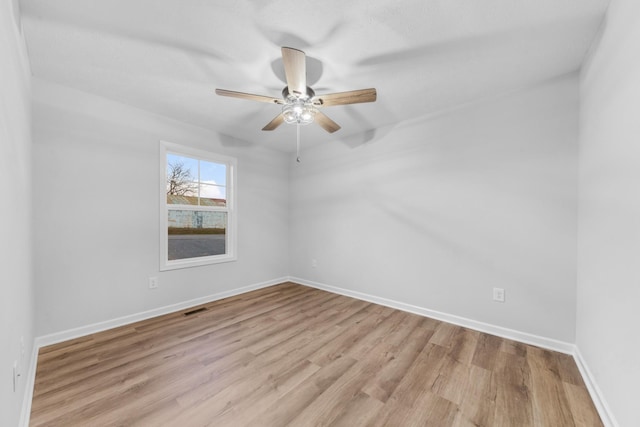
<point x="410" y="344"/>
<point x="568" y="370"/>
<point x="486" y="352"/>
<point x="584" y="411"/>
<point x="289" y="406"/>
<point x="478" y="405"/>
<point x="513" y="400"/>
<point x="550" y="403"/>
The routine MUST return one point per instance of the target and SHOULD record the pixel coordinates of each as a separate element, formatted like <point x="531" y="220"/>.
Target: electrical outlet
<point x="498" y="294"/>
<point x="314" y="263"/>
<point x="153" y="283"/>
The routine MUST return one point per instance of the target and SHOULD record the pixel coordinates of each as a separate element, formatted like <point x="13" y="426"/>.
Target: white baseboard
<point x="524" y="337"/>
<point x="596" y="394"/>
<point x="61" y="336"/>
<point x="58" y="337"/>
<point x="28" y="387"/>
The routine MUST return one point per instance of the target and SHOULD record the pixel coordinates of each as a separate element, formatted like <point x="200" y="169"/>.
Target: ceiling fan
<point x="300" y="104"/>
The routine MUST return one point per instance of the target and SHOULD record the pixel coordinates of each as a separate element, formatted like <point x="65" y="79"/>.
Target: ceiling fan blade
<point x="249" y="96"/>
<point x="277" y="121"/>
<point x="326" y="123"/>
<point x="344" y="98"/>
<point x="295" y="69"/>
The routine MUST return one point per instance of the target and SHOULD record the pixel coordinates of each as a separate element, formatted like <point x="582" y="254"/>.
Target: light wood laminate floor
<point x="293" y="355"/>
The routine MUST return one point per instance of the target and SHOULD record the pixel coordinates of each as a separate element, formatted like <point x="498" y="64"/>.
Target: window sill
<point x="191" y="262"/>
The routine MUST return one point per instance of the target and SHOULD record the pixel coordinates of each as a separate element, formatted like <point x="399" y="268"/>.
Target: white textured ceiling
<point x="423" y="56"/>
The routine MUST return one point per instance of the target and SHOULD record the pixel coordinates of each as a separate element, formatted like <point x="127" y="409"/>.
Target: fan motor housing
<point x="286" y="94"/>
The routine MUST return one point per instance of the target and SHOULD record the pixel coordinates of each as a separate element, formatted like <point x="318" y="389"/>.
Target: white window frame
<point x="231" y="233"/>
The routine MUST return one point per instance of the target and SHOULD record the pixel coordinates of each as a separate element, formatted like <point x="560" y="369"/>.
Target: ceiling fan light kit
<point x="299" y="112"/>
<point x="298" y="109"/>
<point x="300" y="104"/>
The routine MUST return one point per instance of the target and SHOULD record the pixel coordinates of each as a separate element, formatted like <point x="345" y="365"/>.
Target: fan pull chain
<point x="298" y="143"/>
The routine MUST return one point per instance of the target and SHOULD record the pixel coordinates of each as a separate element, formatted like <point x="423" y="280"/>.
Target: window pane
<point x="213" y="173"/>
<point x="174" y="199"/>
<point x="182" y="177"/>
<point x="195" y="234"/>
<point x="212" y="195"/>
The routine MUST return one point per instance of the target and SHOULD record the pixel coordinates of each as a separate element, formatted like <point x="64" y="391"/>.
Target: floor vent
<point x="196" y="311"/>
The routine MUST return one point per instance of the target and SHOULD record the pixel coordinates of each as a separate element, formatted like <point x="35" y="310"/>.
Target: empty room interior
<point x="358" y="213"/>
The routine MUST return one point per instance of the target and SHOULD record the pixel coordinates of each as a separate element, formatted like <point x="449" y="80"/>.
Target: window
<point x="197" y="205"/>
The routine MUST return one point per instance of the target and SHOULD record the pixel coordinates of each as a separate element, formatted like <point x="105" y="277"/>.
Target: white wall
<point x="608" y="313"/>
<point x="16" y="301"/>
<point x="437" y="212"/>
<point x="96" y="172"/>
